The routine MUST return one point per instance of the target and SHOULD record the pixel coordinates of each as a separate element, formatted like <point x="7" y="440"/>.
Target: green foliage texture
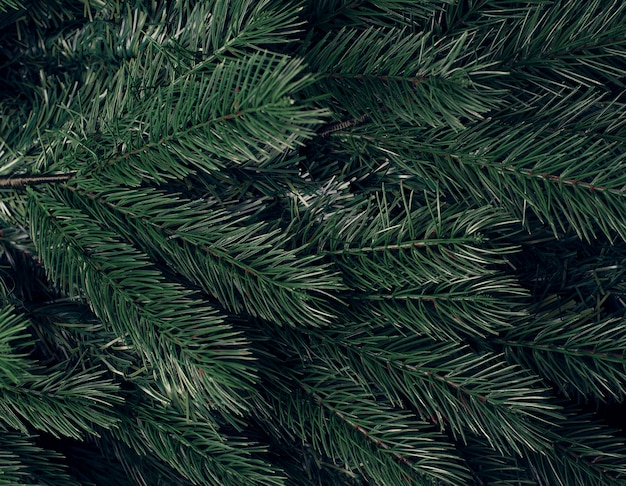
<point x="312" y="242"/>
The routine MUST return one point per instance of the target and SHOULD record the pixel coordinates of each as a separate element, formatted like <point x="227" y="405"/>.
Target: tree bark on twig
<point x="28" y="180"/>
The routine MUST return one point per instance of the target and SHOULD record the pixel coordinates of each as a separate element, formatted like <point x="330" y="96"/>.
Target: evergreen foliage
<point x="325" y="242"/>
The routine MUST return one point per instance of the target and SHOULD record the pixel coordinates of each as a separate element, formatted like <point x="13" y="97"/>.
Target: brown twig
<point x="28" y="180"/>
<point x="343" y="125"/>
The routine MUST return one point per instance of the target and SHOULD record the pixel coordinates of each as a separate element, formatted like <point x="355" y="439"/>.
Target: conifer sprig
<point x="312" y="242"/>
<point x="576" y="351"/>
<point x="245" y="264"/>
<point x="195" y="448"/>
<point x="160" y="318"/>
<point x="22" y="461"/>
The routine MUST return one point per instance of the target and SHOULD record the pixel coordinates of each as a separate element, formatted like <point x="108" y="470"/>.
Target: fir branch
<point x="243" y="112"/>
<point x="343" y="431"/>
<point x="63" y="402"/>
<point x="585" y="451"/>
<point x="463" y="392"/>
<point x="403" y="75"/>
<point x="140" y="467"/>
<point x="22" y="461"/>
<point x="14" y="363"/>
<point x="7" y="5"/>
<point x="469" y="307"/>
<point x="408" y="271"/>
<point x="160" y="317"/>
<point x="575" y="351"/>
<point x="389" y="326"/>
<point x="529" y="169"/>
<point x="252" y="269"/>
<point x="196" y="449"/>
<point x="489" y="467"/>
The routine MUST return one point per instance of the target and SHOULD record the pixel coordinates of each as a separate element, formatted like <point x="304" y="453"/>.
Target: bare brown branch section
<point x="23" y="181"/>
<point x="343" y="125"/>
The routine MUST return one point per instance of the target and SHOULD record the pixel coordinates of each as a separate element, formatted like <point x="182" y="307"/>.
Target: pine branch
<point x="139" y="468"/>
<point x="565" y="181"/>
<point x="575" y="351"/>
<point x="243" y="112"/>
<point x="245" y="264"/>
<point x="14" y="363"/>
<point x="65" y="328"/>
<point x="404" y="75"/>
<point x="7" y="5"/>
<point x="407" y="439"/>
<point x="489" y="467"/>
<point x="195" y="448"/>
<point x="92" y="466"/>
<point x="340" y="430"/>
<point x="161" y="318"/>
<point x="23" y="462"/>
<point x="63" y="402"/>
<point x="463" y="392"/>
<point x="585" y="451"/>
<point x="409" y="271"/>
<point x="471" y="307"/>
<point x="307" y="467"/>
<point x="415" y="224"/>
